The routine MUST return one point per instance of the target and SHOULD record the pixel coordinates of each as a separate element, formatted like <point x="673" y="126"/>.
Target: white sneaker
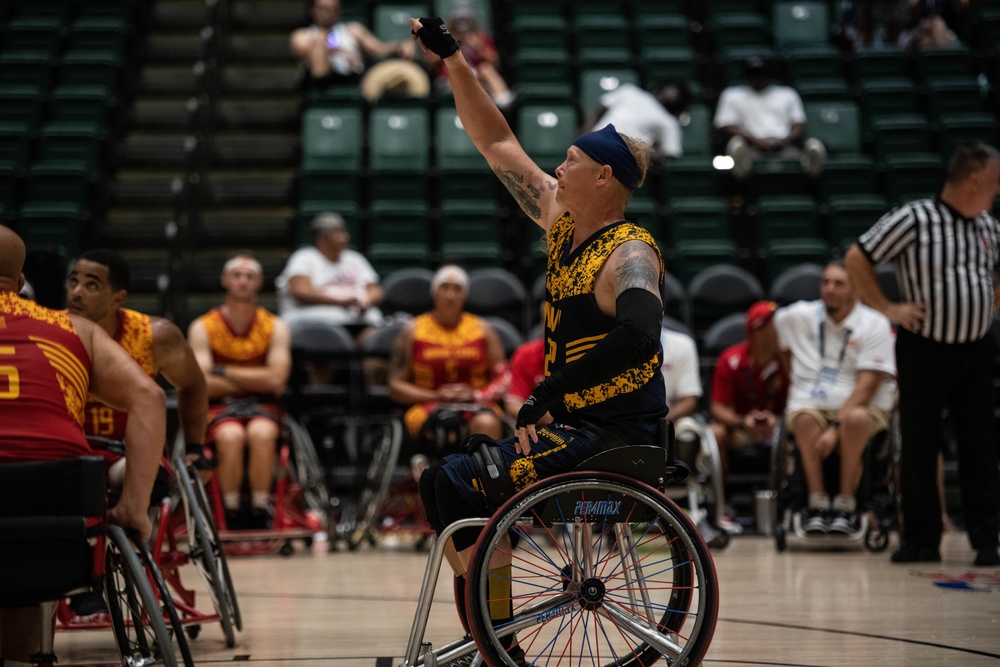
<point x="730" y="526"/>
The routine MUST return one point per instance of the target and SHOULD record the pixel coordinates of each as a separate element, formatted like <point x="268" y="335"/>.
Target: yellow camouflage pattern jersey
<point x="633" y="401"/>
<point x="134" y="333"/>
<point x="230" y="347"/>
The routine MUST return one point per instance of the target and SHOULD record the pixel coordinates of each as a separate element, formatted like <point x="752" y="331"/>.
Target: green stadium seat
<point x="686" y="176"/>
<point x="71" y="140"/>
<point x="782" y="254"/>
<point x="846" y="174"/>
<point x="604" y="56"/>
<point x="900" y="133"/>
<point x="398" y="221"/>
<point x="26" y="67"/>
<point x="782" y="217"/>
<point x="15" y="144"/>
<point x="697" y="219"/>
<point x="595" y="82"/>
<point x="10" y="178"/>
<point x="337" y="97"/>
<point x="41" y="33"/>
<point x="59" y="181"/>
<point x="398" y="142"/>
<point x="667" y="62"/>
<point x="99" y="32"/>
<point x="815" y="61"/>
<point x="546" y="131"/>
<point x="122" y="9"/>
<point x="645" y="214"/>
<point x="80" y="102"/>
<point x="879" y="64"/>
<point x="740" y="28"/>
<point x="462" y="170"/>
<point x="544" y="31"/>
<point x="838" y="125"/>
<point x="481" y="9"/>
<point x="389" y="257"/>
<point x="886" y="96"/>
<point x="823" y="90"/>
<point x="696" y="130"/>
<point x="608" y="31"/>
<point x="471" y="241"/>
<point x="52" y="223"/>
<point x="776" y="176"/>
<point x="687" y="258"/>
<point x="391" y="22"/>
<point x="956" y="128"/>
<point x="949" y="94"/>
<point x="544" y="74"/>
<point x="732" y="58"/>
<point x="800" y="23"/>
<point x="912" y="174"/>
<point x="332" y="138"/>
<point x="661" y="30"/>
<point x="60" y="9"/>
<point x="91" y="66"/>
<point x="931" y="63"/>
<point x="21" y="103"/>
<point x="851" y="215"/>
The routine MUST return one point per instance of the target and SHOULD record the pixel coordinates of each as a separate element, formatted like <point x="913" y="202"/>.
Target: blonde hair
<point x="642" y="153"/>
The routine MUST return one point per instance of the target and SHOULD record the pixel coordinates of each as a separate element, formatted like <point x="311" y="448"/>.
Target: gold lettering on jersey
<point x="552" y="316"/>
<point x="451" y="353"/>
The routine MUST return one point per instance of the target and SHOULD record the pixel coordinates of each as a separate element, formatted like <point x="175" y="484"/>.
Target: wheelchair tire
<point x="136" y="620"/>
<point x="604" y="568"/>
<point x="166" y="600"/>
<point x="308" y="469"/>
<point x="381" y="448"/>
<point x="205" y="551"/>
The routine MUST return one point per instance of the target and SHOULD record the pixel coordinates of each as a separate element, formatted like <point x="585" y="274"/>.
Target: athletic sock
<point x="843" y="503"/>
<point x="260" y="499"/>
<point x="819" y="501"/>
<point x="501" y="604"/>
<point x="231" y="500"/>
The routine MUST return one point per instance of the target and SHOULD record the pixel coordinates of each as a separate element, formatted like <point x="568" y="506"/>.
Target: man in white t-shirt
<point x="680" y="373"/>
<point x="329" y="282"/>
<point x="842" y="363"/>
<point x="764" y="119"/>
<point x="647" y="116"/>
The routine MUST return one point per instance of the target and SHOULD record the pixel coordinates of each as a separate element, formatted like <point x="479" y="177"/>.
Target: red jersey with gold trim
<point x="444" y="356"/>
<point x="233" y="348"/>
<point x="44" y="375"/>
<point x="135" y="334"/>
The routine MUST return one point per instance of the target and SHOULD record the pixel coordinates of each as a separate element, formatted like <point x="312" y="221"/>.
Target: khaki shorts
<point x="879" y="418"/>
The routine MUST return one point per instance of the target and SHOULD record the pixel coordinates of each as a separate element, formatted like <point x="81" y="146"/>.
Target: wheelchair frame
<point x="606" y="567"/>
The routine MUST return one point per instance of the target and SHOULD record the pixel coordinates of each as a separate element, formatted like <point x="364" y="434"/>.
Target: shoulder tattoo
<point x="525" y="193"/>
<point x="639" y="267"/>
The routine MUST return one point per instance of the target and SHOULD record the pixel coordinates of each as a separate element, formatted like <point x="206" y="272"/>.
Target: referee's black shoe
<point x="912" y="553"/>
<point x="987" y="557"/>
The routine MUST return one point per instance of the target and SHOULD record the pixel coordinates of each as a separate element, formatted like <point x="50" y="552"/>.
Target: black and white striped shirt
<point x="944" y="260"/>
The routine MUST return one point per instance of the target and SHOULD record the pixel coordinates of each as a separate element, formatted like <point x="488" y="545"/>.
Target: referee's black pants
<point x="934" y="376"/>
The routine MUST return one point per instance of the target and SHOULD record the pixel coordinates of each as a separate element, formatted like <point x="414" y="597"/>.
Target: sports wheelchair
<point x="697" y="448"/>
<point x="876" y="495"/>
<point x="56" y="542"/>
<point x="604" y="568"/>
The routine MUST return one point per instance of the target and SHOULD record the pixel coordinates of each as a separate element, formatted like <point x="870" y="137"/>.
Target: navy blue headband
<point x="605" y="146"/>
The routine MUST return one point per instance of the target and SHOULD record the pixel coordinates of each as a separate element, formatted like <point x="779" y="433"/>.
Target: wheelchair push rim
<point x="605" y="570"/>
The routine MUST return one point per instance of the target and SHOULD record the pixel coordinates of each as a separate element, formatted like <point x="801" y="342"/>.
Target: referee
<point x="946" y="251"/>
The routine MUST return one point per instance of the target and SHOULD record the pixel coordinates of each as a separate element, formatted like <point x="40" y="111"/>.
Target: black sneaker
<point x="815" y="522"/>
<point x="233" y="520"/>
<point x="912" y="553"/>
<point x="86" y="604"/>
<point x="987" y="557"/>
<point x="845" y="523"/>
<point x="260" y="519"/>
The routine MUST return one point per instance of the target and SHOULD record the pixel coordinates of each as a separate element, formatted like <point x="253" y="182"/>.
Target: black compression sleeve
<point x="630" y="344"/>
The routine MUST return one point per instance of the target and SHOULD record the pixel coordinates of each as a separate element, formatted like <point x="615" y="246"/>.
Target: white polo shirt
<point x="635" y="112"/>
<point x="768" y="114"/>
<point x="827" y="355"/>
<point x="680" y="365"/>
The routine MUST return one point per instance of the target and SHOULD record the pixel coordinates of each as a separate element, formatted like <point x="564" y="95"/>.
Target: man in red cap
<point x="749" y="386"/>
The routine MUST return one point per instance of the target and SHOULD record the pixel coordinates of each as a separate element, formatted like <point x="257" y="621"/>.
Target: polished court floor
<point x="797" y="608"/>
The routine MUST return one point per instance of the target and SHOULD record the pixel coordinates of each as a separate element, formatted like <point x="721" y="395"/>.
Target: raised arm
<point x="175" y="360"/>
<point x="534" y="190"/>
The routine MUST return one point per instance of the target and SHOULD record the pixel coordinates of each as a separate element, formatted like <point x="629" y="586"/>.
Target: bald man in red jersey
<point x="49" y="362"/>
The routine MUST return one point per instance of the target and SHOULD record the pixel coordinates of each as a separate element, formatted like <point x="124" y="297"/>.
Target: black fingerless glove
<point x="436" y="37"/>
<point x="538" y="403"/>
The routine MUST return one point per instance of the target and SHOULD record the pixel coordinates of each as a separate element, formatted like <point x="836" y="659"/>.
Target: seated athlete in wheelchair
<point x="245" y="354"/>
<point x="842" y="390"/>
<point x="49" y="362"/>
<point x="448" y="368"/>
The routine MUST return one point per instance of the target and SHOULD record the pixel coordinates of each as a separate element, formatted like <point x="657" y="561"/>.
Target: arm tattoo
<point x="397" y="362"/>
<point x="525" y="193"/>
<point x="638" y="268"/>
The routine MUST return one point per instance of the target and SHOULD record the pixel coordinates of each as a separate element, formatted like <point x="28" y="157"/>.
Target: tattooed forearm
<point x="525" y="193"/>
<point x="397" y="360"/>
<point x="639" y="267"/>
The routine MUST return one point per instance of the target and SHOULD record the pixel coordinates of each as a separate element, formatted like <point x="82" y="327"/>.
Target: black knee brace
<point x="428" y="496"/>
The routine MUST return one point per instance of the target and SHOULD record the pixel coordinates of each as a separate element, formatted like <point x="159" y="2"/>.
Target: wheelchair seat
<point x="651" y="464"/>
<point x="50" y="514"/>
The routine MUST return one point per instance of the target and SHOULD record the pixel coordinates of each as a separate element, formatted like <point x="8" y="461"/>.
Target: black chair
<point x="407" y="291"/>
<point x="799" y="283"/>
<point x="498" y="292"/>
<point x="721" y="290"/>
<point x="510" y="337"/>
<point x="324" y="378"/>
<point x="674" y="297"/>
<point x="725" y="332"/>
<point x="676" y="325"/>
<point x="375" y="352"/>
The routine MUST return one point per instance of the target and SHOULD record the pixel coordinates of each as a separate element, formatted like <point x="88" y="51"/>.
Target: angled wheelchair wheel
<point x="308" y="469"/>
<point x="604" y="569"/>
<point x="167" y="606"/>
<point x="136" y="620"/>
<point x="205" y="551"/>
<point x="380" y="452"/>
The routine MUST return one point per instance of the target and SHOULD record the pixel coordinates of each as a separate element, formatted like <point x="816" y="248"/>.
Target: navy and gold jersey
<point x="631" y="403"/>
